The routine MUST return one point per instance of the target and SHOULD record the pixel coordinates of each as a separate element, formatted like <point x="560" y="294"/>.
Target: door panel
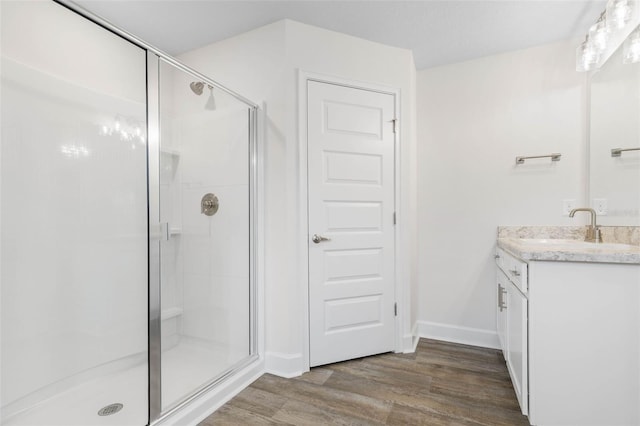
<point x="353" y="168"/>
<point x="351" y="204"/>
<point x="353" y="312"/>
<point x="349" y="216"/>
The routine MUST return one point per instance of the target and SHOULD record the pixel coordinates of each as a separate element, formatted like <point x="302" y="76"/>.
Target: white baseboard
<point x="416" y="336"/>
<point x="203" y="406"/>
<point x="457" y="334"/>
<point x="409" y="343"/>
<point x="284" y="365"/>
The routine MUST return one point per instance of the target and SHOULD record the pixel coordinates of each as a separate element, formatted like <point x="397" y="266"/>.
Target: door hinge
<point x="394" y="218"/>
<point x="395" y="309"/>
<point x="395" y="123"/>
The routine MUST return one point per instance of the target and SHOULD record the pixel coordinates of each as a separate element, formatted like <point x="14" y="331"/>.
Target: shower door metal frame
<point x="156" y="237"/>
<point x="154" y="56"/>
<point x="155" y="240"/>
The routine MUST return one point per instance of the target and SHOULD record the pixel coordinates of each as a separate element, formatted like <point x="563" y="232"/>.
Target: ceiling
<point x="438" y="32"/>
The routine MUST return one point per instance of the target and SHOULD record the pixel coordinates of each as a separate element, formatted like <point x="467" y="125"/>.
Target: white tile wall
<point x="74" y="229"/>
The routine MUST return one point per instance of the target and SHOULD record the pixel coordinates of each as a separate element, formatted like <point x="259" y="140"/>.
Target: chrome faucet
<point x="593" y="231"/>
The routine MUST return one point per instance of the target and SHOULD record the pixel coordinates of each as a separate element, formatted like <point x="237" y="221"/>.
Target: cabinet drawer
<point x="514" y="268"/>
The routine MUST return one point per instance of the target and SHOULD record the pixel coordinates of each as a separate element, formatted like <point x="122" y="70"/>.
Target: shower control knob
<point x="209" y="204"/>
<point x="319" y="238"/>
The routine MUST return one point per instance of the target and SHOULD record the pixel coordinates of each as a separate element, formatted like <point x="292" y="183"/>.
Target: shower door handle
<point x="159" y="232"/>
<point x="164" y="231"/>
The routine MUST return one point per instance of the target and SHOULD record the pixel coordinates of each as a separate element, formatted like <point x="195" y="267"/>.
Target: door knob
<point x="319" y="238"/>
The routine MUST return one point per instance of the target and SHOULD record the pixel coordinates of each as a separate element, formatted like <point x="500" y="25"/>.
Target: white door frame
<point x="303" y="206"/>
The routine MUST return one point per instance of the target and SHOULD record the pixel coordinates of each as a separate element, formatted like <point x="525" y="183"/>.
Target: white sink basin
<point x="577" y="244"/>
<point x="550" y="241"/>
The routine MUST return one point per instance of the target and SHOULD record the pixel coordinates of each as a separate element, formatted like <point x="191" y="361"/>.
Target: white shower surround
<point x="90" y="373"/>
<point x="87" y="237"/>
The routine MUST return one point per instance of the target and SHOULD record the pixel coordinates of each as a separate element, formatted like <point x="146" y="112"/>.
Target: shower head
<point x="197" y="87"/>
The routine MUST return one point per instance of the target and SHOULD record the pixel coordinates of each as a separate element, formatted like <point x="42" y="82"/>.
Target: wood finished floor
<point x="440" y="384"/>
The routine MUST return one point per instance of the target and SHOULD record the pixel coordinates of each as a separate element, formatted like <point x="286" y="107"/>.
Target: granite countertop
<point x="564" y="250"/>
<point x="566" y="244"/>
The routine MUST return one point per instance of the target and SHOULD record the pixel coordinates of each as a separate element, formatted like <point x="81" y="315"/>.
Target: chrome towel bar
<point x="554" y="157"/>
<point x="617" y="152"/>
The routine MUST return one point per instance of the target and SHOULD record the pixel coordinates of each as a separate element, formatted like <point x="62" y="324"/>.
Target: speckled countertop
<point x="565" y="244"/>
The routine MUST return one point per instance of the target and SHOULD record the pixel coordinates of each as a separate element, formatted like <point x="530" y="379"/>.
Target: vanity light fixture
<point x="631" y="48"/>
<point x="607" y="33"/>
<point x="587" y="56"/>
<point x="618" y="13"/>
<point x="599" y="32"/>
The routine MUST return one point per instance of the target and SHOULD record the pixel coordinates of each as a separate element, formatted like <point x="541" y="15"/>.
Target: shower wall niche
<point x="121" y="301"/>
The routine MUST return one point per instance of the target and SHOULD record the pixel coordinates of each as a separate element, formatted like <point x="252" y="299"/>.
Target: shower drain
<point x="110" y="409"/>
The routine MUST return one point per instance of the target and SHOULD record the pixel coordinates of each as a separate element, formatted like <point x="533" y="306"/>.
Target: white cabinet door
<point x="501" y="309"/>
<point x="512" y="317"/>
<point x="584" y="365"/>
<point x="517" y="344"/>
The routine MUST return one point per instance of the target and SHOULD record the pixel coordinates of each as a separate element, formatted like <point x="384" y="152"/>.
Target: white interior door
<point x="351" y="222"/>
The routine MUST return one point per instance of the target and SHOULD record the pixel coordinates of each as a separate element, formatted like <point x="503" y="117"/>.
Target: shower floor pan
<point x="185" y="367"/>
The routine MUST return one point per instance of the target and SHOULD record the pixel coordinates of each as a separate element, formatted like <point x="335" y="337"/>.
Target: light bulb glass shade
<point x="619" y="12"/>
<point x="599" y="34"/>
<point x="587" y="56"/>
<point x="631" y="48"/>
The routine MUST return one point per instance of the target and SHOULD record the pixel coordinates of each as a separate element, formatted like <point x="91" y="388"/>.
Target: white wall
<point x="474" y="118"/>
<point x="263" y="65"/>
<point x="330" y="53"/>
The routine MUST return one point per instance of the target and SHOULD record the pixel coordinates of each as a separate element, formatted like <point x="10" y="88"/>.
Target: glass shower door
<point x="205" y="256"/>
<point x="74" y="221"/>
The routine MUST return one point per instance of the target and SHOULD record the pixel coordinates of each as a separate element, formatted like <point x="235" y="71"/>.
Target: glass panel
<point x="74" y="221"/>
<point x="614" y="184"/>
<point x="205" y="261"/>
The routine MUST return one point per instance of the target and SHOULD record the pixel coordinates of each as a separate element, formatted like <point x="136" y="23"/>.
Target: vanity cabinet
<point x="512" y="314"/>
<point x="571" y="341"/>
<point x="584" y="343"/>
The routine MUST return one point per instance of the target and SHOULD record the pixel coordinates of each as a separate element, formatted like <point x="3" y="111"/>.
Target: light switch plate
<point x="567" y="206"/>
<point x="600" y="206"/>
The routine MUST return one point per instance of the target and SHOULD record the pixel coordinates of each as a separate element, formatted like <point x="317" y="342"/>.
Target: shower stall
<point x="127" y="213"/>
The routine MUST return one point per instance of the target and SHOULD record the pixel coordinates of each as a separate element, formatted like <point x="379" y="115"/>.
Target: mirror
<point x="614" y="181"/>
